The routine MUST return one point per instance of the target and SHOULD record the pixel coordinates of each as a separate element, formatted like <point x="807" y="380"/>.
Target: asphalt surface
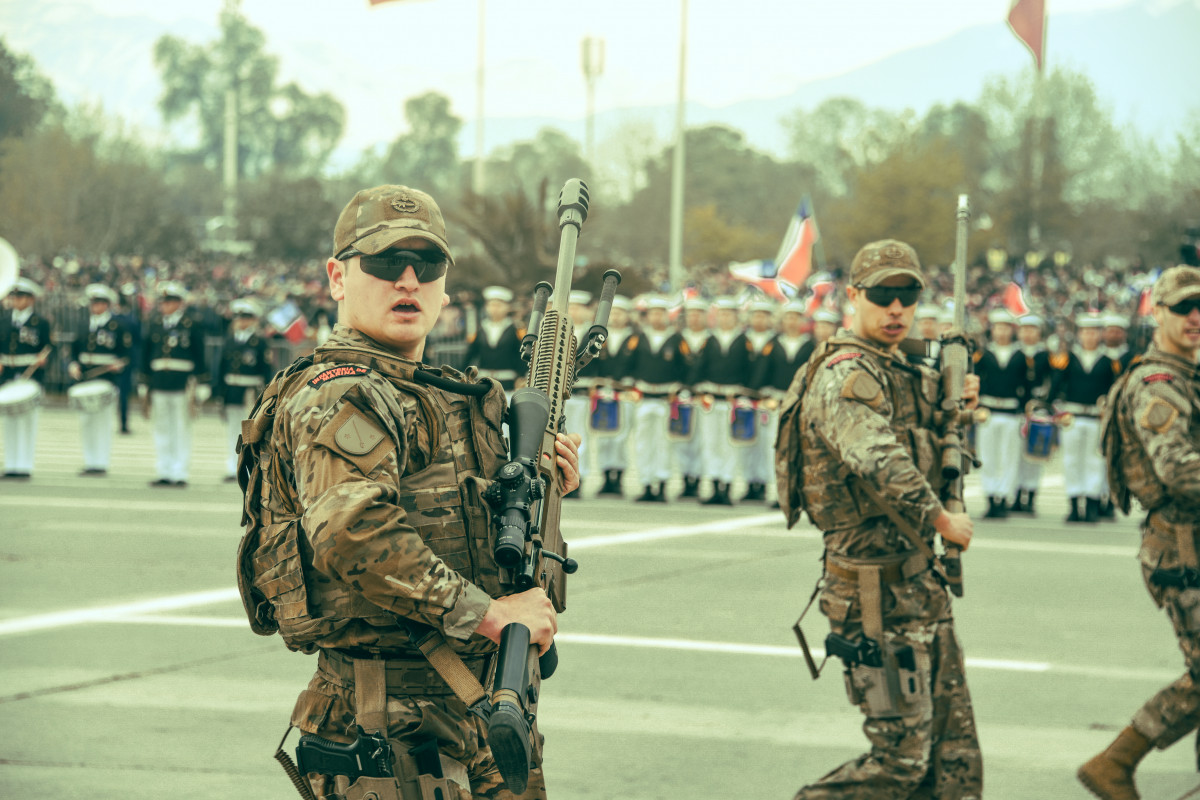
<point x="127" y="669"/>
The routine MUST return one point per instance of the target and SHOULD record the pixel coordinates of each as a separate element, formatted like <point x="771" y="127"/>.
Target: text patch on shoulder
<point x="1158" y="377"/>
<point x="343" y="371"/>
<point x="839" y="358"/>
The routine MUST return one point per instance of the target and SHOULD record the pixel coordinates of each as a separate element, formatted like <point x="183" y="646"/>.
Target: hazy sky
<point x="737" y="49"/>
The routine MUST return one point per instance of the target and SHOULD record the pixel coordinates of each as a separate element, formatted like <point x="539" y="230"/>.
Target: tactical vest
<point x="811" y="479"/>
<point x="1130" y="470"/>
<point x="442" y="498"/>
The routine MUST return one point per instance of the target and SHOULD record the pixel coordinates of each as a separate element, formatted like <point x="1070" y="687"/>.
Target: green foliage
<point x="279" y="127"/>
<point x="426" y="157"/>
<point x="288" y="218"/>
<point x="26" y="96"/>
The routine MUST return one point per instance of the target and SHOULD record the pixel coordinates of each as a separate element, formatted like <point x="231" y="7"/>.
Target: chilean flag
<point x="1027" y="20"/>
<point x="1014" y="300"/>
<point x="762" y="275"/>
<point x="818" y="293"/>
<point x="795" y="254"/>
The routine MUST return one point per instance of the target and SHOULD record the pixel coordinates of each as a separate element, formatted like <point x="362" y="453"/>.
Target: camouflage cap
<point x="1175" y="285"/>
<point x="878" y="261"/>
<point x="375" y="219"/>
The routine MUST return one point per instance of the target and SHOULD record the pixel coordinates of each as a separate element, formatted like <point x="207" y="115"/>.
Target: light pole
<point x="478" y="172"/>
<point x="593" y="67"/>
<point x="675" y="258"/>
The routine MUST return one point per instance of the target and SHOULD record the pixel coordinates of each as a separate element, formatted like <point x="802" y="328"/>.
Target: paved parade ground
<point x="127" y="669"/>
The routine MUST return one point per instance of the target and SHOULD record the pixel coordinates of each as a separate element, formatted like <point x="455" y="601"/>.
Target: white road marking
<point x="77" y="616"/>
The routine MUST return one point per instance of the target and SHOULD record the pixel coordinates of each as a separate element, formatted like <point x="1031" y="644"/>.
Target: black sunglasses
<point x="1185" y="307"/>
<point x="391" y="264"/>
<point x="884" y="296"/>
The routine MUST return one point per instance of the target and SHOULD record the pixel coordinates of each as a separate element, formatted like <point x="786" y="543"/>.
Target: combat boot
<point x="1029" y="502"/>
<point x="661" y="495"/>
<point x="1091" y="511"/>
<point x="1107" y="509"/>
<point x="997" y="509"/>
<point x="691" y="487"/>
<point x="647" y="495"/>
<point x="1074" y="515"/>
<point x="612" y="483"/>
<point x="720" y="495"/>
<point x="1109" y="775"/>
<point x="1018" y="506"/>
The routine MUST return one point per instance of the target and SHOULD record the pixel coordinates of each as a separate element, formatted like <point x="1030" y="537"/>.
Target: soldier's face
<point x="1002" y="334"/>
<point x="760" y="321"/>
<point x="21" y="301"/>
<point x="1029" y="334"/>
<point x="823" y="330"/>
<point x="697" y="319"/>
<point x="618" y="318"/>
<point x="792" y="324"/>
<point x="928" y="328"/>
<point x="1114" y="336"/>
<point x="657" y="318"/>
<point x="1179" y="333"/>
<point x="241" y="322"/>
<point x="398" y="315"/>
<point x="97" y="307"/>
<point x="887" y="325"/>
<point x="727" y="319"/>
<point x="169" y="306"/>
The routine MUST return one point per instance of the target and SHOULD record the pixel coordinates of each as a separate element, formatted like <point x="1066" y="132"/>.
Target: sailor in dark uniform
<point x="1116" y="339"/>
<point x="174" y="376"/>
<point x="611" y="386"/>
<point x="786" y="353"/>
<point x="496" y="346"/>
<point x="688" y="446"/>
<point x="576" y="409"/>
<point x="1001" y="369"/>
<point x="244" y="370"/>
<point x="722" y="372"/>
<point x="100" y="352"/>
<point x="25" y="349"/>
<point x="1037" y="386"/>
<point x="826" y="321"/>
<point x="758" y="458"/>
<point x="1078" y="381"/>
<point x="656" y="369"/>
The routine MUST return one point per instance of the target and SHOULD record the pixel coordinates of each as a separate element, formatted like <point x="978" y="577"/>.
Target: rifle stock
<point x="527" y="495"/>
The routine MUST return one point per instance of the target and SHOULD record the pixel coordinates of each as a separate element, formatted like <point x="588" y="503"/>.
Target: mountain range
<point x="1142" y="58"/>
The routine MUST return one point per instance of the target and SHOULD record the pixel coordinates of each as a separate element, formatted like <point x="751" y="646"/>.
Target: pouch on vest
<point x="1110" y="445"/>
<point x="789" y="458"/>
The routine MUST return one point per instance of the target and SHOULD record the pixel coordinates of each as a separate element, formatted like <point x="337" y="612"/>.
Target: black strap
<point x="449" y="385"/>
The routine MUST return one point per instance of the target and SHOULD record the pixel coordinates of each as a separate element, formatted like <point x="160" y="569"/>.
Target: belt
<point x="172" y="365"/>
<point x="999" y="403"/>
<point x="243" y="380"/>
<point x="1080" y="409"/>
<point x="405" y="676"/>
<point x="896" y="569"/>
<point x="98" y="359"/>
<point x="18" y="361"/>
<point x="654" y="389"/>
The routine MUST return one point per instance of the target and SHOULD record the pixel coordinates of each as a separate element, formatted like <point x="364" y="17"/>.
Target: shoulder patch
<point x="356" y="436"/>
<point x="344" y="371"/>
<point x="1158" y="416"/>
<point x="977" y="356"/>
<point x="1159" y="377"/>
<point x="840" y="357"/>
<point x="1060" y="360"/>
<point x="862" y="386"/>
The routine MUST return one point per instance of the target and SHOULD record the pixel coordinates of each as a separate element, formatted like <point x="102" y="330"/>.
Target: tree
<point x="842" y="135"/>
<point x="551" y="157"/>
<point x="288" y="218"/>
<point x="426" y="157"/>
<point x="278" y="127"/>
<point x="25" y="94"/>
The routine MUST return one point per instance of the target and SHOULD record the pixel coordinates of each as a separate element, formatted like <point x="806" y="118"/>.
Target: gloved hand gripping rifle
<point x="951" y="417"/>
<point x="527" y="494"/>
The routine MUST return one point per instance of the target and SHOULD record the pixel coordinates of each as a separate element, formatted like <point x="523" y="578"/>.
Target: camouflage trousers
<point x="931" y="750"/>
<point x="1175" y="710"/>
<point x="326" y="709"/>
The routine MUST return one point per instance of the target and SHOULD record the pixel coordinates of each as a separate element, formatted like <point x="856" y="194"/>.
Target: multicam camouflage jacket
<point x="855" y="414"/>
<point x="363" y="503"/>
<point x="1151" y="434"/>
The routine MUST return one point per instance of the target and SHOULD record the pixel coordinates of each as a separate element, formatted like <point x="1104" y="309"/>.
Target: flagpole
<point x="477" y="176"/>
<point x="675" y="257"/>
<point x="818" y="248"/>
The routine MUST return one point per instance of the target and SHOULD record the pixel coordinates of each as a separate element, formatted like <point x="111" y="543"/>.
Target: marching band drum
<point x="91" y="397"/>
<point x="20" y="396"/>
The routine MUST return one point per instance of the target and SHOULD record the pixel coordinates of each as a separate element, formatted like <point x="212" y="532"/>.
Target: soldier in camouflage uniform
<point x="1151" y="439"/>
<point x="855" y="436"/>
<point x="366" y="528"/>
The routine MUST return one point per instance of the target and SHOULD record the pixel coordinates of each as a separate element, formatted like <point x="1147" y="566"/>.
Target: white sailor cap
<point x="927" y="311"/>
<point x="246" y="307"/>
<point x="829" y="315"/>
<point x="175" y="289"/>
<point x="657" y="301"/>
<point x="26" y="286"/>
<point x="794" y="307"/>
<point x="98" y="291"/>
<point x="1089" y="319"/>
<point x="1000" y="315"/>
<point x="1114" y="319"/>
<point x="1030" y="321"/>
<point x="726" y="304"/>
<point x="695" y="304"/>
<point x="764" y="305"/>
<point x="501" y="293"/>
<point x="580" y="298"/>
<point x="622" y="302"/>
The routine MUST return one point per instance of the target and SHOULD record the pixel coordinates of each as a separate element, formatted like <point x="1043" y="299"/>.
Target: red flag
<point x="1027" y="19"/>
<point x="1145" y="304"/>
<point x="1014" y="300"/>
<point x="296" y="331"/>
<point x="795" y="256"/>
<point x="762" y="275"/>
